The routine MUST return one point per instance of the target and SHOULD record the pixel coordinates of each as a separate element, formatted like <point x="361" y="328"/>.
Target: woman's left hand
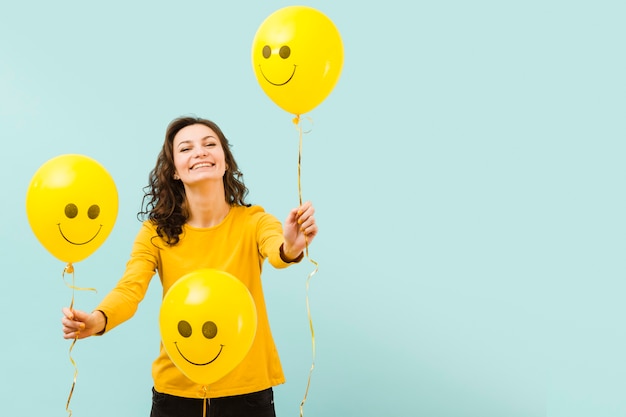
<point x="299" y="230"/>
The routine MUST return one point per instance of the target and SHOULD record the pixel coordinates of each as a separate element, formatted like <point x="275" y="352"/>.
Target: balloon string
<point x="296" y="121"/>
<point x="69" y="268"/>
<point x="308" y="310"/>
<point x="205" y="401"/>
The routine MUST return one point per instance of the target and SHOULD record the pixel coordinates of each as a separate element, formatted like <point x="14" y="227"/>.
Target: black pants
<point x="255" y="404"/>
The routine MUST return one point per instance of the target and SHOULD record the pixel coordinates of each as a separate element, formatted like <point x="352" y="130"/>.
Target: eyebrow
<point x="191" y="140"/>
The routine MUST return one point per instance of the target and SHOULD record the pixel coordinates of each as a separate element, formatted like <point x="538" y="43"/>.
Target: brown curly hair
<point x="164" y="201"/>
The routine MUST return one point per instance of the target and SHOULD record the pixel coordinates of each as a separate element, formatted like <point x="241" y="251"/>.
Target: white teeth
<point x="202" y="165"/>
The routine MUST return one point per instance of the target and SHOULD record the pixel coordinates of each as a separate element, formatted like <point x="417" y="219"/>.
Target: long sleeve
<point x="270" y="238"/>
<point x="122" y="302"/>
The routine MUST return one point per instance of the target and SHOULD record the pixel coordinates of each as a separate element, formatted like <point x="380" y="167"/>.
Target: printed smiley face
<point x="279" y="70"/>
<point x="71" y="206"/>
<point x="71" y="212"/>
<point x="297" y="55"/>
<point x="209" y="331"/>
<point x="207" y="323"/>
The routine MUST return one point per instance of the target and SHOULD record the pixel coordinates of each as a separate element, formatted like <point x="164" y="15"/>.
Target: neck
<point x="207" y="205"/>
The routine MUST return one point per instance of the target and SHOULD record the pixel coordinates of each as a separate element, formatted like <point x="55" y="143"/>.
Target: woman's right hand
<point x="79" y="325"/>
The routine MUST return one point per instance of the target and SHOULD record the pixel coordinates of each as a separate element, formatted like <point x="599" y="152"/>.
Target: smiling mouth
<point x="202" y="165"/>
<point x="199" y="364"/>
<point x="78" y="243"/>
<point x="278" y="85"/>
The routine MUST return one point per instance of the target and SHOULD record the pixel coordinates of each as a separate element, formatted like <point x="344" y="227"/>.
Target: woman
<point x="197" y="218"/>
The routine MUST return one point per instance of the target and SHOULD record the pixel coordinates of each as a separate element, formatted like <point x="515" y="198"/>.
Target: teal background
<point x="467" y="172"/>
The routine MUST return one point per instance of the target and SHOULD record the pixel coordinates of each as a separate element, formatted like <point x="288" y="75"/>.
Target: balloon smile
<point x="78" y="243"/>
<point x="199" y="364"/>
<point x="278" y="84"/>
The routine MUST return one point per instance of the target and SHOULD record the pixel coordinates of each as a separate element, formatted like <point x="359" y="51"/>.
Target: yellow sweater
<point x="238" y="245"/>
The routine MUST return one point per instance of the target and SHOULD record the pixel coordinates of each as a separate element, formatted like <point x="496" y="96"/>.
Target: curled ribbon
<point x="296" y="121"/>
<point x="69" y="269"/>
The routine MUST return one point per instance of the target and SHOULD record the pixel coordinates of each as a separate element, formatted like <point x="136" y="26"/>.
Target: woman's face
<point x="198" y="155"/>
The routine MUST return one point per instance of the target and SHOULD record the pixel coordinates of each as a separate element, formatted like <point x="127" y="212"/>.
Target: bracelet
<point x="284" y="257"/>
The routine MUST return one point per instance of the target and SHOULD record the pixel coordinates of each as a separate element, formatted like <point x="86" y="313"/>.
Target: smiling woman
<point x="197" y="219"/>
<point x="199" y="155"/>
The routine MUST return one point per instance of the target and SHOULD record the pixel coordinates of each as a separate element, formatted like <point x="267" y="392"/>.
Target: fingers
<point x="304" y="213"/>
<point x="309" y="226"/>
<point x="305" y="208"/>
<point x="299" y="229"/>
<point x="72" y="326"/>
<point x="306" y="219"/>
<point x="68" y="313"/>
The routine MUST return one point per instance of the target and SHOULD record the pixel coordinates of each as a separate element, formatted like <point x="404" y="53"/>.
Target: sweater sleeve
<point x="122" y="302"/>
<point x="270" y="239"/>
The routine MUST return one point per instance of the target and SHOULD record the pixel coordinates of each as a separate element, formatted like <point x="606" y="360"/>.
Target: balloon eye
<point x="93" y="212"/>
<point x="71" y="210"/>
<point x="267" y="51"/>
<point x="209" y="330"/>
<point x="184" y="328"/>
<point x="284" y="52"/>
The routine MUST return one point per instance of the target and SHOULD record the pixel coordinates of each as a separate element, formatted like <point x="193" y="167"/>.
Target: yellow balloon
<point x="297" y="56"/>
<point x="207" y="321"/>
<point x="71" y="206"/>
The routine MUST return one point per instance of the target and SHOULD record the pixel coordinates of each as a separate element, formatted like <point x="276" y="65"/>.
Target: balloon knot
<point x="296" y="120"/>
<point x="69" y="268"/>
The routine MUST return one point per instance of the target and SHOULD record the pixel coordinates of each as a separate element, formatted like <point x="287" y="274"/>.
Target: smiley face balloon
<point x="71" y="205"/>
<point x="207" y="321"/>
<point x="297" y="56"/>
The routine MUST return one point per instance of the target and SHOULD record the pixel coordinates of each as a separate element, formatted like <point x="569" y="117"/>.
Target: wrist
<point x="100" y="321"/>
<point x="288" y="256"/>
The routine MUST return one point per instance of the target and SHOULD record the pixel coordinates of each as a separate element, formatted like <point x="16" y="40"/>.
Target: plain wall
<point x="467" y="170"/>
